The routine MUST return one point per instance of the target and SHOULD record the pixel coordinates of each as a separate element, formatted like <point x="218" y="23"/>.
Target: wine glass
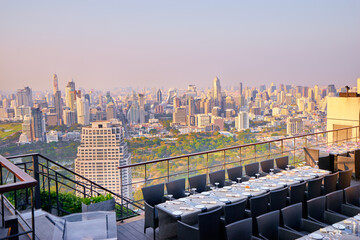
<point x="216" y="185"/>
<point x="316" y="164"/>
<point x="187" y="194"/>
<point x="170" y="197"/>
<point x="239" y="179"/>
<point x="233" y="182"/>
<point x="288" y="167"/>
<point x="271" y="171"/>
<point x="257" y="175"/>
<point x="193" y="190"/>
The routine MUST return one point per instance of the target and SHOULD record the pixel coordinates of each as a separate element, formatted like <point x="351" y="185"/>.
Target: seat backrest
<point x="314" y="188"/>
<point x="259" y="205"/>
<point x="291" y="216"/>
<point x="198" y="182"/>
<point x="330" y="183"/>
<point x="266" y="165"/>
<point x="209" y="224"/>
<point x="176" y="188"/>
<point x="311" y="155"/>
<point x="251" y="169"/>
<point x="234" y="173"/>
<point x="153" y="194"/>
<point x="235" y="211"/>
<point x="352" y="195"/>
<point x="334" y="201"/>
<point x="282" y="162"/>
<point x="316" y="208"/>
<point x="278" y="199"/>
<point x="297" y="193"/>
<point x="217" y="176"/>
<point x="239" y="230"/>
<point x="268" y="224"/>
<point x="345" y="178"/>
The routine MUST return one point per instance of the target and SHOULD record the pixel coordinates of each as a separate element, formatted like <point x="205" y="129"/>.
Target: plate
<point x="223" y="200"/>
<point x="279" y="174"/>
<point x="357" y="217"/>
<point x="298" y="179"/>
<point x="227" y="187"/>
<point x="338" y="226"/>
<point x="246" y="193"/>
<point x="200" y="206"/>
<point x="265" y="188"/>
<point x="316" y="236"/>
<point x="262" y="178"/>
<point x="177" y="213"/>
<point x="205" y="193"/>
<point x="182" y="199"/>
<point x="282" y="183"/>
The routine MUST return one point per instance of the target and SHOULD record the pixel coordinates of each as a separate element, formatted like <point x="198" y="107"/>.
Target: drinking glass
<point x="238" y="179"/>
<point x="216" y="185"/>
<point x="170" y="197"/>
<point x="271" y="171"/>
<point x="257" y="175"/>
<point x="193" y="190"/>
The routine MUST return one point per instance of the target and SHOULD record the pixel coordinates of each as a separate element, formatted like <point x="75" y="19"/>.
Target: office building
<point x="102" y="150"/>
<point x="242" y="121"/>
<point x="24" y="97"/>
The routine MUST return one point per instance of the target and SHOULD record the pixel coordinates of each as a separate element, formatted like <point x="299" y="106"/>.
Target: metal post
<point x="15" y="195"/>
<point x="269" y="150"/>
<point x="282" y="147"/>
<point x="37" y="178"/>
<point x="294" y="150"/>
<point x="145" y="175"/>
<point x="240" y="155"/>
<point x="32" y="213"/>
<point x="188" y="166"/>
<point x="255" y="151"/>
<point x="48" y="178"/>
<point x="168" y="170"/>
<point x="207" y="163"/>
<point x="2" y="199"/>
<point x="224" y="160"/>
<point x="121" y="187"/>
<point x="57" y="194"/>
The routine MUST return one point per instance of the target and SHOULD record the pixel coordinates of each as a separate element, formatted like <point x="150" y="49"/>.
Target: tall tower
<point x="55" y="83"/>
<point x="159" y="96"/>
<point x="102" y="150"/>
<point x="217" y="91"/>
<point x="70" y="95"/>
<point x="24" y="97"/>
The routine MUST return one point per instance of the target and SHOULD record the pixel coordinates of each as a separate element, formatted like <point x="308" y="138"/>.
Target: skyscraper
<point x="242" y="121"/>
<point x="57" y="100"/>
<point x="70" y="95"/>
<point x="37" y="125"/>
<point x="159" y="96"/>
<point x="83" y="110"/>
<point x="24" y="97"/>
<point x="217" y="91"/>
<point x="102" y="150"/>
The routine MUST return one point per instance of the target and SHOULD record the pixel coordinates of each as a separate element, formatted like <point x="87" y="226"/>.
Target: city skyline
<point x="170" y="44"/>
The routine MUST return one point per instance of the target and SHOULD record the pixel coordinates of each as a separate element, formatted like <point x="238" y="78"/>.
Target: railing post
<point x="168" y="170"/>
<point x="15" y="195"/>
<point x="224" y="160"/>
<point x="48" y="178"/>
<point x="207" y="163"/>
<point x="282" y="147"/>
<point x="240" y="155"/>
<point x="37" y="178"/>
<point x="57" y="194"/>
<point x="188" y="166"/>
<point x="255" y="152"/>
<point x="32" y="213"/>
<point x="145" y="175"/>
<point x="269" y="150"/>
<point x="294" y="151"/>
<point x="121" y="188"/>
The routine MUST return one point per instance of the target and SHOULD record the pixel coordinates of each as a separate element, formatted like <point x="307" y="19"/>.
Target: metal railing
<point x="56" y="180"/>
<point x="185" y="166"/>
<point x="14" y="179"/>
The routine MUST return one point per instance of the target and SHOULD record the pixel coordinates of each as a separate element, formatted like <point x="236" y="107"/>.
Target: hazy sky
<point x="109" y="44"/>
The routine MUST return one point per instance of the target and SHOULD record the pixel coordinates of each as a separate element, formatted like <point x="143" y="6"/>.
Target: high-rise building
<point x="37" y="125"/>
<point x="83" y="111"/>
<point x="70" y="95"/>
<point x="101" y="151"/>
<point x="159" y="96"/>
<point x="179" y="116"/>
<point x="110" y="111"/>
<point x="240" y="88"/>
<point x="69" y="117"/>
<point x="217" y="91"/>
<point x="24" y="97"/>
<point x="242" y="121"/>
<point x="55" y="84"/>
<point x="294" y="126"/>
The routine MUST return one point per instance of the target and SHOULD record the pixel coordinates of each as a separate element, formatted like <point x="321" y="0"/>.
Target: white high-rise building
<point x="242" y="121"/>
<point x="83" y="111"/>
<point x="102" y="150"/>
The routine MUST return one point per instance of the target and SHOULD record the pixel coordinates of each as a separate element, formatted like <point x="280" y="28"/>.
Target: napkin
<point x="233" y="195"/>
<point x="208" y="202"/>
<point x="187" y="208"/>
<point x="223" y="190"/>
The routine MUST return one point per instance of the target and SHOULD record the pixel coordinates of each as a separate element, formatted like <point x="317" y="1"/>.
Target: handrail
<point x="26" y="181"/>
<point x="78" y="175"/>
<point x="228" y="148"/>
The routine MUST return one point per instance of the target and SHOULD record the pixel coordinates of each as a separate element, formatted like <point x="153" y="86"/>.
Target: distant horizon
<point x="165" y="44"/>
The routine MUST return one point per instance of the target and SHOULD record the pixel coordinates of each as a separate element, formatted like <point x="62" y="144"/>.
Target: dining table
<point x="344" y="230"/>
<point x="186" y="209"/>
